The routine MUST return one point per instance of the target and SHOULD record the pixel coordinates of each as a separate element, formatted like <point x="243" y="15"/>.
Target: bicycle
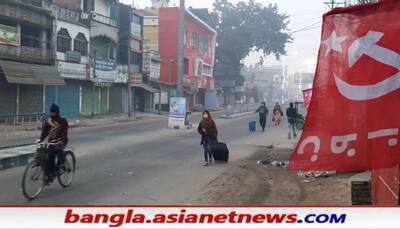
<point x="34" y="178"/>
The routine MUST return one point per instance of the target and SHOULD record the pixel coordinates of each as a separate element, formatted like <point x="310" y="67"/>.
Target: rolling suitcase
<point x="252" y="126"/>
<point x="220" y="151"/>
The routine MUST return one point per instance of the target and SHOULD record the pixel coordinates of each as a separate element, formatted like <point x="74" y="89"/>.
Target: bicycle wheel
<point x="67" y="170"/>
<point x="33" y="180"/>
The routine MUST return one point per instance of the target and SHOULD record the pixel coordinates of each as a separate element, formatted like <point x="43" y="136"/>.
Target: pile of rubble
<point x="308" y="174"/>
<point x="316" y="174"/>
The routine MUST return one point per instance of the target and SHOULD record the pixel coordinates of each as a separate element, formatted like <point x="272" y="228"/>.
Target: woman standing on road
<point x="209" y="133"/>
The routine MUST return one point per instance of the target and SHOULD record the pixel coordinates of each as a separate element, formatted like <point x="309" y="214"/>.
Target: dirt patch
<point x="252" y="183"/>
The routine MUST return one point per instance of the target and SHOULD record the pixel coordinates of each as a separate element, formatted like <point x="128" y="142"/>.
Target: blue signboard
<point x="105" y="66"/>
<point x="177" y="107"/>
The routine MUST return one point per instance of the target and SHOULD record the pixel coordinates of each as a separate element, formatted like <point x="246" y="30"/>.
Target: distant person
<point x="209" y="134"/>
<point x="263" y="112"/>
<point x="291" y="114"/>
<point x="278" y="114"/>
<point x="55" y="129"/>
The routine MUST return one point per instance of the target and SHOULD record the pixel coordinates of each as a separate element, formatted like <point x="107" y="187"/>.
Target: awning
<point x="147" y="88"/>
<point x="21" y="73"/>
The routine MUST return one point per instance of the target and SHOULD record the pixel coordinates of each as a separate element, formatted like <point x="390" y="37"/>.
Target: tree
<point x="245" y="27"/>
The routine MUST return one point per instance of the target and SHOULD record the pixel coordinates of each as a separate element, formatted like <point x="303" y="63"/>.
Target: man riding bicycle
<point x="56" y="129"/>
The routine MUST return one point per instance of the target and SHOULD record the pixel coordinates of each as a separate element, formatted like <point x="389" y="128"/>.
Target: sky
<point x="305" y="15"/>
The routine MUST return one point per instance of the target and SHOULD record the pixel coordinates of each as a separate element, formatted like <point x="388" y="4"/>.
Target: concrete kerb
<point x="14" y="157"/>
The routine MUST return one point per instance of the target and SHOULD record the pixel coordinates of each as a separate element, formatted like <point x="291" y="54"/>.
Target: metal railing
<point x="240" y="108"/>
<point x="20" y="129"/>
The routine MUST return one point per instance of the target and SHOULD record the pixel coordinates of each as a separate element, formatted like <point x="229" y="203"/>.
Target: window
<point x="63" y="41"/>
<point x="136" y="20"/>
<point x="204" y="46"/>
<point x="186" y="66"/>
<point x="30" y="37"/>
<point x="187" y="38"/>
<point x="193" y="41"/>
<point x="81" y="44"/>
<point x="207" y="70"/>
<point x="85" y="7"/>
<point x="136" y="59"/>
<point x="112" y="52"/>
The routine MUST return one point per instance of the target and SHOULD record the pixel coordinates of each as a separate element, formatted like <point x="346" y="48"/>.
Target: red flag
<point x="354" y="117"/>
<point x="307" y="94"/>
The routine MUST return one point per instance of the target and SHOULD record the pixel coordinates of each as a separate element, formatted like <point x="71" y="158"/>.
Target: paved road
<point x="136" y="163"/>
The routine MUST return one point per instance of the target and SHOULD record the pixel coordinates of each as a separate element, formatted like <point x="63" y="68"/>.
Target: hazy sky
<point x="304" y="14"/>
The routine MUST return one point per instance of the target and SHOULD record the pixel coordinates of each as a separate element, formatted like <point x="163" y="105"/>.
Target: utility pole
<point x="179" y="84"/>
<point x="129" y="65"/>
<point x="333" y="3"/>
<point x="94" y="78"/>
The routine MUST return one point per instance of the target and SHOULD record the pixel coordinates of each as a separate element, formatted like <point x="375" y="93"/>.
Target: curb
<point x="232" y="116"/>
<point x="16" y="157"/>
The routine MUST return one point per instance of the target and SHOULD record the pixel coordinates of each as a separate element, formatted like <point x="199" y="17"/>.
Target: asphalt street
<point x="135" y="163"/>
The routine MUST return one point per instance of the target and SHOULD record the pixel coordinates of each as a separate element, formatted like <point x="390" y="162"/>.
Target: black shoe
<point x="48" y="181"/>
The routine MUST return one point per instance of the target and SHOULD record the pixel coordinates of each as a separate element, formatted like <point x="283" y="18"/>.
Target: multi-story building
<point x="131" y="50"/>
<point x="27" y="56"/>
<point x="199" y="53"/>
<point x="143" y="90"/>
<point x="106" y="92"/>
<point x="72" y="55"/>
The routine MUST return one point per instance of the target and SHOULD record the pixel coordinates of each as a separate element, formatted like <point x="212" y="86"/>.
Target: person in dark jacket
<point x="209" y="134"/>
<point x="263" y="112"/>
<point x="55" y="129"/>
<point x="291" y="114"/>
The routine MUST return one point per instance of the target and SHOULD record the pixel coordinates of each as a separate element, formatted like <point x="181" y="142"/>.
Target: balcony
<point x="104" y="19"/>
<point x="26" y="11"/>
<point x="26" y="54"/>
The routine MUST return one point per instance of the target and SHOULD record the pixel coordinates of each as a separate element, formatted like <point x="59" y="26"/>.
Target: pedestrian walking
<point x="263" y="112"/>
<point x="209" y="134"/>
<point x="291" y="114"/>
<point x="277" y="114"/>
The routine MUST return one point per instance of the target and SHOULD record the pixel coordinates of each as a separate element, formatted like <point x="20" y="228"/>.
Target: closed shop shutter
<point x="68" y="99"/>
<point x="87" y="93"/>
<point x="30" y="99"/>
<point x="211" y="99"/>
<point x="125" y="100"/>
<point x="103" y="100"/>
<point x="8" y="97"/>
<point x="116" y="99"/>
<point x="50" y="97"/>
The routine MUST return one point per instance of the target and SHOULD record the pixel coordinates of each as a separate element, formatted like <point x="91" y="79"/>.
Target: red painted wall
<point x="385" y="187"/>
<point x="168" y="42"/>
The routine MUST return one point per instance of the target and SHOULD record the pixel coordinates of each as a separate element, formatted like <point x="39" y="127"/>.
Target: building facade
<point x="107" y="90"/>
<point x="27" y="56"/>
<point x="199" y="53"/>
<point x="72" y="56"/>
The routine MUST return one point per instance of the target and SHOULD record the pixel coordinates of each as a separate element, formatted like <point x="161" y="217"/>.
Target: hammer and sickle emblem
<point x="367" y="45"/>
